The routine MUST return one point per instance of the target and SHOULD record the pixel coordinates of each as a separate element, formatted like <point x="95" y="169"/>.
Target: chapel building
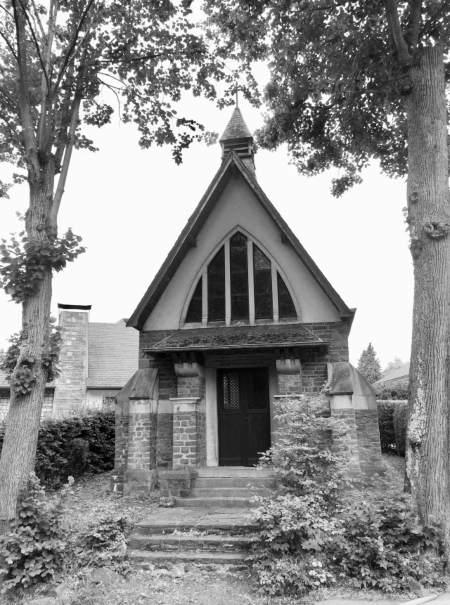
<point x="238" y="316"/>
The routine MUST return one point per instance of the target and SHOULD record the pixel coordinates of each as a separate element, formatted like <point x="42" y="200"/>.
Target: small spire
<point x="238" y="138"/>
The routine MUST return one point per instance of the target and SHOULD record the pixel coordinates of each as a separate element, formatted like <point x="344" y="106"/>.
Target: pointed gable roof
<point x="236" y="128"/>
<point x="187" y="238"/>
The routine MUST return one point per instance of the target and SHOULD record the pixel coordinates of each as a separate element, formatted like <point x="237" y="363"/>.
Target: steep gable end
<point x="232" y="169"/>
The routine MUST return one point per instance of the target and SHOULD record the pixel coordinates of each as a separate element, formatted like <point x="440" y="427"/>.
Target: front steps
<point x="227" y="487"/>
<point x="213" y="536"/>
<point x="212" y="526"/>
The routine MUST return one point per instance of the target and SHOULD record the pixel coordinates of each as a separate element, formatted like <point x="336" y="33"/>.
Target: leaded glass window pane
<point x="216" y="287"/>
<point x="239" y="277"/>
<point x="286" y="306"/>
<point x="263" y="284"/>
<point x="194" y="313"/>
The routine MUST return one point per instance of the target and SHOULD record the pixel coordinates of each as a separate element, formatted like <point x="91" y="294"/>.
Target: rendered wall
<point x="238" y="206"/>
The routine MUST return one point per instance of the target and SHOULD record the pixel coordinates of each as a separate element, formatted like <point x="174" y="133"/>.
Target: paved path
<point x="443" y="599"/>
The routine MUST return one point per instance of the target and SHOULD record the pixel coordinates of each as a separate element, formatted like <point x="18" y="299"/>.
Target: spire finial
<point x="237" y="95"/>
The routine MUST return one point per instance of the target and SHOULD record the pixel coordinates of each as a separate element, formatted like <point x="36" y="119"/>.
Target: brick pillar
<point x="136" y="428"/>
<point x="189" y="416"/>
<point x="140" y="454"/>
<point x="353" y="399"/>
<point x="189" y="433"/>
<point x="70" y="391"/>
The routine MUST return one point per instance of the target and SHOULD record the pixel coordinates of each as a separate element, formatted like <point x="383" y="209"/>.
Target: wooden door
<point x="244" y="415"/>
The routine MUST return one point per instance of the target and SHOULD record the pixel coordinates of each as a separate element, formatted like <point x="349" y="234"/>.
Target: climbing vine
<point x="23" y="261"/>
<point x="21" y="368"/>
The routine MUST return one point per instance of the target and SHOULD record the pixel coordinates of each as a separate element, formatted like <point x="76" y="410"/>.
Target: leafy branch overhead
<point x="20" y="366"/>
<point x="23" y="262"/>
<point x="339" y="75"/>
<point x="80" y="59"/>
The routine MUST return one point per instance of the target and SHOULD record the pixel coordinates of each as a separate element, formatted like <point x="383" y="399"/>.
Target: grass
<point x="91" y="500"/>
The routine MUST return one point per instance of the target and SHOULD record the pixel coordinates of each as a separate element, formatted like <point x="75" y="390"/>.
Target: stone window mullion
<point x="276" y="312"/>
<point x="205" y="297"/>
<point x="227" y="284"/>
<point x="251" y="282"/>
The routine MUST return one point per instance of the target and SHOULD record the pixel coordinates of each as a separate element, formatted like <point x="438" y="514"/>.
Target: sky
<point x="129" y="205"/>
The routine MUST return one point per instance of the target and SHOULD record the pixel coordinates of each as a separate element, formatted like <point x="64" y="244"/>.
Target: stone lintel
<point x="185" y="404"/>
<point x="289" y="365"/>
<point x="142" y="406"/>
<point x="189" y="369"/>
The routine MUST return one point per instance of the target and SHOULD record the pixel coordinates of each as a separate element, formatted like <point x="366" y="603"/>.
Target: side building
<point x="96" y="361"/>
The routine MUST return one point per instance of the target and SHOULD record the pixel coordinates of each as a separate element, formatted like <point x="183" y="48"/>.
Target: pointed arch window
<point x="240" y="284"/>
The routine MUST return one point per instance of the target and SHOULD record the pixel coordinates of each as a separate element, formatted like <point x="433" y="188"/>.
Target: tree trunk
<point x="427" y="442"/>
<point x="23" y="419"/>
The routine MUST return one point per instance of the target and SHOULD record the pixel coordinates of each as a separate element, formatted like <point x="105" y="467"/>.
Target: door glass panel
<point x="231" y="391"/>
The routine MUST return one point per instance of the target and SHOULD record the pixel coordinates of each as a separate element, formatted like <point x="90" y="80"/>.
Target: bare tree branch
<point x="66" y="162"/>
<point x="10" y="46"/>
<point x="26" y="119"/>
<point x="396" y="30"/>
<point x="36" y="44"/>
<point x="45" y="84"/>
<point x="73" y="44"/>
<point x="414" y="21"/>
<point x="428" y="26"/>
<point x="37" y="19"/>
<point x="9" y="98"/>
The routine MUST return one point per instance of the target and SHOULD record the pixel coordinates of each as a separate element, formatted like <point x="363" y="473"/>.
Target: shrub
<point x="34" y="550"/>
<point x="313" y="532"/>
<point x="384" y="546"/>
<point x="296" y="521"/>
<point x="103" y="542"/>
<point x="395" y="389"/>
<point x="392" y="418"/>
<point x="74" y="447"/>
<point x="400" y="423"/>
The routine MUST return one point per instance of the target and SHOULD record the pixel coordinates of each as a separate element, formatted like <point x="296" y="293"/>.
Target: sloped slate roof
<point x="112" y="355"/>
<point x="397" y="374"/>
<point x="256" y="337"/>
<point x="236" y="128"/>
<point x="230" y="165"/>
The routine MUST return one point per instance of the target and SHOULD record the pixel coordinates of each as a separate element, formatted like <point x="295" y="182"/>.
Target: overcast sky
<point x="130" y="205"/>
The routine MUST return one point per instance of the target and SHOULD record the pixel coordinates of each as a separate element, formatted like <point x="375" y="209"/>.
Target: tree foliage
<point x="369" y="364"/>
<point x="339" y="75"/>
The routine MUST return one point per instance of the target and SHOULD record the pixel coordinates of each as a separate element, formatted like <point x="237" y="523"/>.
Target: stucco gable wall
<point x="238" y="206"/>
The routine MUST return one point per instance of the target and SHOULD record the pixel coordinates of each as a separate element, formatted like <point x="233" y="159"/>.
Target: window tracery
<point x="240" y="283"/>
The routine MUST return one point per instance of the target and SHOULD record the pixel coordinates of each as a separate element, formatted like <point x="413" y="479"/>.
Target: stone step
<point x="233" y="471"/>
<point x="234" y="482"/>
<point x="233" y="521"/>
<point x="190" y="542"/>
<point x="227" y="492"/>
<point x="145" y="559"/>
<point x="212" y="502"/>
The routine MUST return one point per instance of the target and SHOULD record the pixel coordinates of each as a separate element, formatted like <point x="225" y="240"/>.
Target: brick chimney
<point x="70" y="390"/>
